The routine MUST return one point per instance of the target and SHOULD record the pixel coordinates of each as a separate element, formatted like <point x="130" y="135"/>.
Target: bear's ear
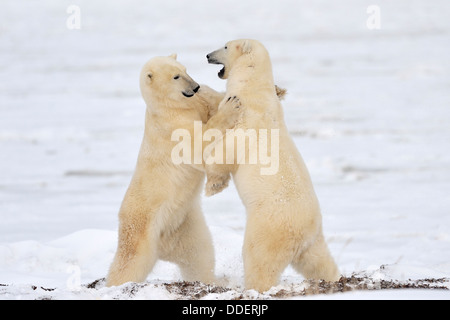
<point x="149" y="75"/>
<point x="173" y="56"/>
<point x="246" y="46"/>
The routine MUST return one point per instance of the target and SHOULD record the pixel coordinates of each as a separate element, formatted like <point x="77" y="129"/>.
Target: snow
<point x="368" y="110"/>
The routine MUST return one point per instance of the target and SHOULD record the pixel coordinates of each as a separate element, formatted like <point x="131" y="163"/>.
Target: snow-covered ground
<point x="368" y="109"/>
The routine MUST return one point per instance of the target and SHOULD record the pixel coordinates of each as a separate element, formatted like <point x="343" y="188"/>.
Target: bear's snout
<point x="212" y="58"/>
<point x="191" y="91"/>
<point x="208" y="56"/>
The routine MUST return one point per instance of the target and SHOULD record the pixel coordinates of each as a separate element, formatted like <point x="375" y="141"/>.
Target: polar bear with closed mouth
<point x="160" y="216"/>
<point x="284" y="224"/>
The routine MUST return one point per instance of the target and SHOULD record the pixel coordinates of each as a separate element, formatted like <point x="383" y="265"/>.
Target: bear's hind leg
<point x="192" y="249"/>
<point x="135" y="256"/>
<point x="316" y="262"/>
<point x="266" y="254"/>
<point x="262" y="271"/>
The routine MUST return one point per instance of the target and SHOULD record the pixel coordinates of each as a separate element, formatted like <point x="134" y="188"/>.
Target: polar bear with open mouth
<point x="284" y="223"/>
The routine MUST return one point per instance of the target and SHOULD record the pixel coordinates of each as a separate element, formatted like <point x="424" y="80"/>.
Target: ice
<point x="368" y="110"/>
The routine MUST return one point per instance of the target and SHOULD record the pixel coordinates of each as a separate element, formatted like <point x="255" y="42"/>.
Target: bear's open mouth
<point x="221" y="72"/>
<point x="212" y="60"/>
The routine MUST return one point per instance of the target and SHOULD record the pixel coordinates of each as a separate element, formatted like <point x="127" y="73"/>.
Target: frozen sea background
<point x="368" y="109"/>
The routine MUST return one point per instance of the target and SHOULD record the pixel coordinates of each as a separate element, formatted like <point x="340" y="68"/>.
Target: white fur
<point x="284" y="224"/>
<point x="160" y="217"/>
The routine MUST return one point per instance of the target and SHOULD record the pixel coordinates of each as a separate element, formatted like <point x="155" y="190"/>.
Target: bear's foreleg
<point x="229" y="115"/>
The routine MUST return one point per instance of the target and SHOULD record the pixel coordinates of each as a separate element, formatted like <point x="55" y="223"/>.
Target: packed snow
<point x="368" y="108"/>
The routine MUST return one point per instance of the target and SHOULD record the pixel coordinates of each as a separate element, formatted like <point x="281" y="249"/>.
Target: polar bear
<point x="284" y="224"/>
<point x="160" y="216"/>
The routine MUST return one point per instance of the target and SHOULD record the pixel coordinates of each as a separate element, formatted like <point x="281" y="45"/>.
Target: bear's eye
<point x="226" y="47"/>
<point x="176" y="77"/>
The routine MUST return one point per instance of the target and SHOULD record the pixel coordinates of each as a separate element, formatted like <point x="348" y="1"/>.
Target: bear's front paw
<point x="232" y="112"/>
<point x="216" y="184"/>
<point x="233" y="102"/>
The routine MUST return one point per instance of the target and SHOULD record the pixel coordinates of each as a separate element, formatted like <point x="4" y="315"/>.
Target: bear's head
<point x="234" y="52"/>
<point x="164" y="79"/>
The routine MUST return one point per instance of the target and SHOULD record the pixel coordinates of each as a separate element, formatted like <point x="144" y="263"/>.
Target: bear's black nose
<point x="207" y="56"/>
<point x="196" y="89"/>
